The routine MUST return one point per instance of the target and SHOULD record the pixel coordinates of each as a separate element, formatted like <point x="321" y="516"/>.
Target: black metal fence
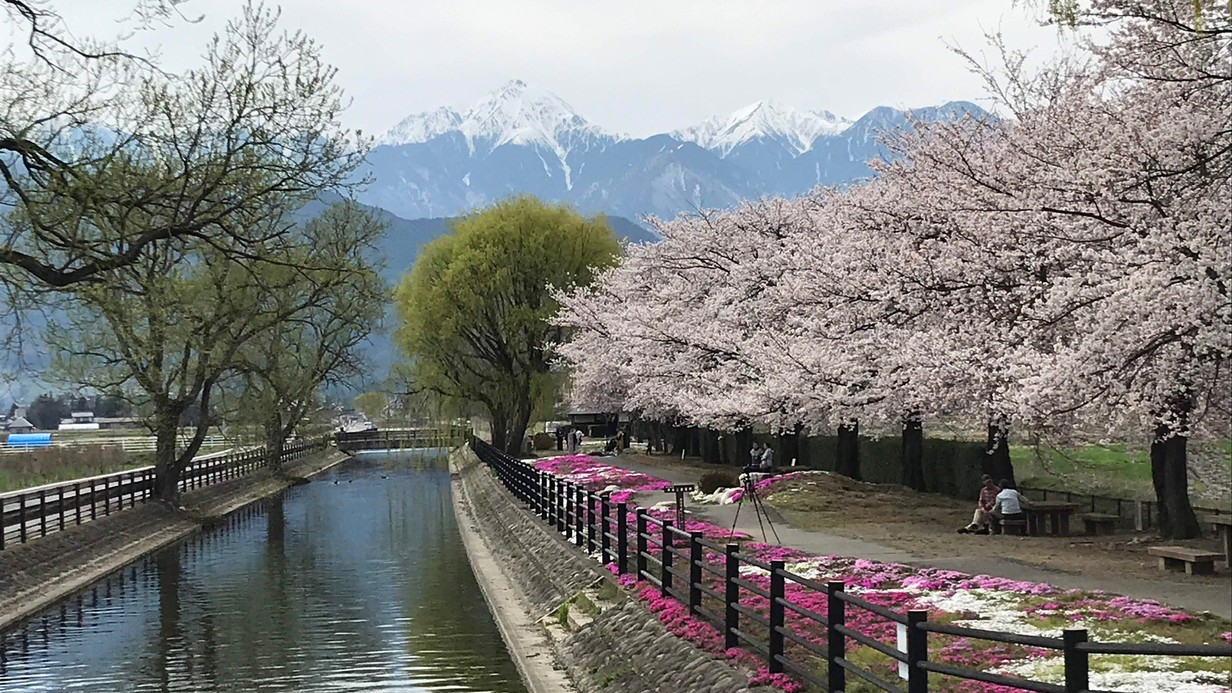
<point x="705" y="576"/>
<point x="1137" y="514"/>
<point x="33" y="513"/>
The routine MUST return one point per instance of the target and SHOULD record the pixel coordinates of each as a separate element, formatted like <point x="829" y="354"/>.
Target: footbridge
<point x="402" y="438"/>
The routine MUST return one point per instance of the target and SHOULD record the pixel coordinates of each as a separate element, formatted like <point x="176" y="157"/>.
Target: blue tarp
<point x="29" y="440"/>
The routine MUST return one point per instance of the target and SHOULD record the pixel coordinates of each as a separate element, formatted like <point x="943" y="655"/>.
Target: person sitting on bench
<point x="988" y="498"/>
<point x="1009" y="504"/>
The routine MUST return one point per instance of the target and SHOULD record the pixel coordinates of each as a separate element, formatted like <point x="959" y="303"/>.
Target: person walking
<point x="755" y="455"/>
<point x="767" y="460"/>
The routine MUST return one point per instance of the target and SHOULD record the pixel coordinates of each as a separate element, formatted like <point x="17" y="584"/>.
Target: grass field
<point x="51" y="465"/>
<point x="1120" y="472"/>
<point x="19" y="470"/>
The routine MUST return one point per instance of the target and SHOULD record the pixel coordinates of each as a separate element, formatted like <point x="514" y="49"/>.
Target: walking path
<point x="1215" y="598"/>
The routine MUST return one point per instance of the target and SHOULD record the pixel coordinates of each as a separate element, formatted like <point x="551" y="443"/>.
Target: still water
<point x="357" y="582"/>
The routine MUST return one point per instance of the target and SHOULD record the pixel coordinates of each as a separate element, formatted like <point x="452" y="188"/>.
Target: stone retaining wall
<point x="623" y="648"/>
<point x="40" y="573"/>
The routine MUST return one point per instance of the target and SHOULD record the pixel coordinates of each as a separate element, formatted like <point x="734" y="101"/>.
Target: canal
<point x="357" y="581"/>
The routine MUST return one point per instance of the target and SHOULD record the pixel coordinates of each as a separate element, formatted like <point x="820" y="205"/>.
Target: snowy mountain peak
<point x="422" y="127"/>
<point x="797" y="130"/>
<point x="520" y="114"/>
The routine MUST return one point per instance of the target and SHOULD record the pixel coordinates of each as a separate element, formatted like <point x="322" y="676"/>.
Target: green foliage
<point x="562" y="615"/>
<point x="475" y="311"/>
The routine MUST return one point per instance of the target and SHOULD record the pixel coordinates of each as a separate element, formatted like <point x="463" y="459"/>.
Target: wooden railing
<point x="36" y="512"/>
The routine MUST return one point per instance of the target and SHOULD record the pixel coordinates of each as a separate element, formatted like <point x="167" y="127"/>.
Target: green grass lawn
<point x="1110" y="470"/>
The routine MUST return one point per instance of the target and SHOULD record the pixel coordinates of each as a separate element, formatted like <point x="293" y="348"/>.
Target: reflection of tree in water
<point x="449" y="628"/>
<point x="364" y="580"/>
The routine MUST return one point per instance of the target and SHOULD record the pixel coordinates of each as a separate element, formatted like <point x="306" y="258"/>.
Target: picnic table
<point x="1055" y="514"/>
<point x="1223" y="526"/>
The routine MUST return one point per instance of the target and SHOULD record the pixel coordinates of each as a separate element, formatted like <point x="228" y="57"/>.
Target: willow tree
<point x="476" y="309"/>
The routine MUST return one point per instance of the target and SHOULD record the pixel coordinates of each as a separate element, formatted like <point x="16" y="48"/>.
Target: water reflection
<point x="357" y="581"/>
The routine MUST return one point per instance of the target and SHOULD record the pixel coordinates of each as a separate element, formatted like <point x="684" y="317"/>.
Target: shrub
<point x="713" y="481"/>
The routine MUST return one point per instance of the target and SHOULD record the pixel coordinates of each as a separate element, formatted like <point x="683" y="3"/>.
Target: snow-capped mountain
<point x="422" y="127"/>
<point x="764" y="120"/>
<point x="523" y="139"/>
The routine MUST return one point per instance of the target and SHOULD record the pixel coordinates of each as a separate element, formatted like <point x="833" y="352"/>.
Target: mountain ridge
<point x="521" y="139"/>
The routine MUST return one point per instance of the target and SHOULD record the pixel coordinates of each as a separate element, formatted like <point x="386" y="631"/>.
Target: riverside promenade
<point x="1174" y="590"/>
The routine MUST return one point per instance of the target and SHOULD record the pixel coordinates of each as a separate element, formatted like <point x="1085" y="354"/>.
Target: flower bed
<point x="975" y="601"/>
<point x="592" y="475"/>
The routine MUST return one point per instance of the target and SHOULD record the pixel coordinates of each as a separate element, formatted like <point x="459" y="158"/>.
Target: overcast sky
<point x="632" y="66"/>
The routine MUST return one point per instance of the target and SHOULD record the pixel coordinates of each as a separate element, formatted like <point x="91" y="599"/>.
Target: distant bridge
<point x="401" y="438"/>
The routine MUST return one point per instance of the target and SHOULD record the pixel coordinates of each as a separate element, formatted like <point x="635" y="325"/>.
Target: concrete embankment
<point x="602" y="639"/>
<point x="44" y="571"/>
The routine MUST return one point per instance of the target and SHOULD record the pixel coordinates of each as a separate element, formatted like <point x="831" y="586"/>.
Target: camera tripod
<point x="759" y="509"/>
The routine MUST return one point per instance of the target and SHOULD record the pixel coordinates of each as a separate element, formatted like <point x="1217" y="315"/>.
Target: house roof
<point x="20" y="422"/>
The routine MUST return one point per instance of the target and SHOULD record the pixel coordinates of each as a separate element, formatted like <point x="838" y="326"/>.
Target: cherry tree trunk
<point x="711" y="443"/>
<point x="997" y="462"/>
<point x="789" y="445"/>
<point x="1169" y="473"/>
<point x="913" y="453"/>
<point x="848" y="458"/>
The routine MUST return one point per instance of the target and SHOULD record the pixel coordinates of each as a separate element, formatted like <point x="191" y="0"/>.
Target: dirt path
<point x="885" y="523"/>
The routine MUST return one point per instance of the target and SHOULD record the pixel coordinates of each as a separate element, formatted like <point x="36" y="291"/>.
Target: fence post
<point x="622" y="538"/>
<point x="1" y="524"/>
<point x="917" y="651"/>
<point x="43" y="513"/>
<point x="560" y="506"/>
<point x="731" y="597"/>
<point x="60" y="505"/>
<point x="777" y="592"/>
<point x="21" y="518"/>
<point x="591" y="544"/>
<point x="695" y="571"/>
<point x="579" y="518"/>
<point x="77" y="500"/>
<point x="551" y="499"/>
<point x="665" y="558"/>
<point x="93" y="502"/>
<point x="1077" y="669"/>
<point x="605" y="517"/>
<point x="641" y="543"/>
<point x="542" y="493"/>
<point x="566" y="508"/>
<point x="836" y="645"/>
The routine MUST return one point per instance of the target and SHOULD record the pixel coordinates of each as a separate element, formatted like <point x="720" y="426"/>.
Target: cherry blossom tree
<point x="1066" y="264"/>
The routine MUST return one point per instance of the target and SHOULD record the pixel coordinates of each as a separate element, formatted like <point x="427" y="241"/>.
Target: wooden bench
<point x="1192" y="561"/>
<point x="1100" y="523"/>
<point x="1005" y="527"/>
